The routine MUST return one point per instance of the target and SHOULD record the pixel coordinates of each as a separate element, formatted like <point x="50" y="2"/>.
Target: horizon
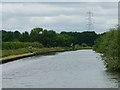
<point x="54" y="30"/>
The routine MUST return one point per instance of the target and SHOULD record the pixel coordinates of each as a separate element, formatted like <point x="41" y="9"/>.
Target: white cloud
<point x="60" y="1"/>
<point x="58" y="16"/>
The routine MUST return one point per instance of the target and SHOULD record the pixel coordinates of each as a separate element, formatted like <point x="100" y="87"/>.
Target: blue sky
<point x="65" y="16"/>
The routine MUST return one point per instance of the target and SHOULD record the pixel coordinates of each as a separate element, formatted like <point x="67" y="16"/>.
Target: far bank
<point x="12" y="55"/>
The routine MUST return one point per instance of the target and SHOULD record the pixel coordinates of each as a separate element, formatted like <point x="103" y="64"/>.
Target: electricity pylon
<point x="90" y="24"/>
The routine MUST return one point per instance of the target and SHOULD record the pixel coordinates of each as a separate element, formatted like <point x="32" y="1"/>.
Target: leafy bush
<point x="109" y="46"/>
<point x="17" y="45"/>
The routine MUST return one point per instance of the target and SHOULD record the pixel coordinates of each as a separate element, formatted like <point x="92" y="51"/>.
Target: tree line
<point x="49" y="38"/>
<point x="109" y="45"/>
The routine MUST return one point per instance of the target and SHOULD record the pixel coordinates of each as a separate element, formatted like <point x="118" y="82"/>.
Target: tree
<point x="64" y="40"/>
<point x="36" y="34"/>
<point x="25" y="37"/>
<point x="17" y="36"/>
<point x="49" y="38"/>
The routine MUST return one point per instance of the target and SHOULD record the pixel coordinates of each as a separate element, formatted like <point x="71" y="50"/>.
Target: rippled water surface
<point x="72" y="69"/>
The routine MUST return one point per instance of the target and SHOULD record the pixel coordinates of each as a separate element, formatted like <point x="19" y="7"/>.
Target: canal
<point x="71" y="69"/>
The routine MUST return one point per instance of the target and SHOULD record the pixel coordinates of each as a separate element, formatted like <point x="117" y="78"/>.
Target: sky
<point x="58" y="16"/>
<point x="59" y="0"/>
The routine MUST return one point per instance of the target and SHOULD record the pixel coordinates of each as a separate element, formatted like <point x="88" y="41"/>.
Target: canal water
<point x="71" y="69"/>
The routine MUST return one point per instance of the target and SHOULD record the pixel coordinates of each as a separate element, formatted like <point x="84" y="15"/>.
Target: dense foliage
<point x="109" y="46"/>
<point x="17" y="45"/>
<point x="50" y="38"/>
<point x="87" y="37"/>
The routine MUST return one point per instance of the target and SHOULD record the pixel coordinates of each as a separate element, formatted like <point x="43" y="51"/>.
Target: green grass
<point x="24" y="52"/>
<point x="9" y="55"/>
<point x="6" y="53"/>
<point x="15" y="56"/>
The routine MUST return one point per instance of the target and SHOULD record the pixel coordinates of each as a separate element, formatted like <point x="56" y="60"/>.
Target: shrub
<point x="109" y="46"/>
<point x="17" y="45"/>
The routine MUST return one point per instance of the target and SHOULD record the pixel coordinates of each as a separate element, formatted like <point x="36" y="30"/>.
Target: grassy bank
<point x="11" y="55"/>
